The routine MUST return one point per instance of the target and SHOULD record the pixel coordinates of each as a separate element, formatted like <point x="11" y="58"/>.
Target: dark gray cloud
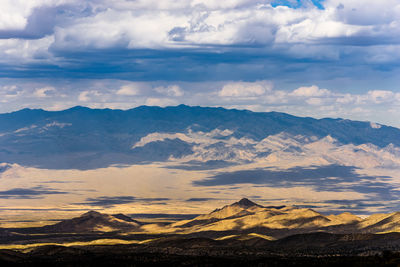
<point x="91" y="40"/>
<point x="106" y="201"/>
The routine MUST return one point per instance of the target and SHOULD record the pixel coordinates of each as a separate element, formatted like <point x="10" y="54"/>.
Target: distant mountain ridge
<point x="102" y="137"/>
<point x="179" y="118"/>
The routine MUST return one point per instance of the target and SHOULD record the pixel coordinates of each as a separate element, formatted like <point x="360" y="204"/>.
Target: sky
<point x="330" y="58"/>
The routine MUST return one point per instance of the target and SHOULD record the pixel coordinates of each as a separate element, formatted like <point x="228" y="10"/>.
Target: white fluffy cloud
<point x="128" y="90"/>
<point x="381" y="96"/>
<point x="15" y="13"/>
<point x="165" y="24"/>
<point x="44" y="91"/>
<point x="245" y="89"/>
<point x="311" y="91"/>
<point x="25" y="51"/>
<point x="89" y="96"/>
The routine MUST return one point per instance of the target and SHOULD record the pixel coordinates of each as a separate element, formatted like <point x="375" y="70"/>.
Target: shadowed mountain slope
<point x="242" y="217"/>
<point x="93" y="221"/>
<point x="247" y="216"/>
<point x="85" y="138"/>
<point x="243" y="224"/>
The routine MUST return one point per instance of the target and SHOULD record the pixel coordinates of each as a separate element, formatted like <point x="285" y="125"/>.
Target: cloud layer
<point x="183" y="39"/>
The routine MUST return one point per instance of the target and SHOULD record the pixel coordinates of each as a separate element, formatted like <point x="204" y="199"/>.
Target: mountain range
<point x="278" y="222"/>
<point x="240" y="218"/>
<point x="84" y="138"/>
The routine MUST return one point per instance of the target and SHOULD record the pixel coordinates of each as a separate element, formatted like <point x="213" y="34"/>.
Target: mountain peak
<point x="92" y="213"/>
<point x="78" y="108"/>
<point x="246" y="203"/>
<point x="93" y="221"/>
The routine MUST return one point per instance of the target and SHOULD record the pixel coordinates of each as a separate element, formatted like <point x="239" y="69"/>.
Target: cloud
<point x="77" y="25"/>
<point x="84" y="96"/>
<point x="346" y="99"/>
<point x="25" y="52"/>
<point x="9" y="92"/>
<point x="342" y="46"/>
<point x="128" y="90"/>
<point x="44" y="92"/>
<point x="105" y="201"/>
<point x="162" y="102"/>
<point x="38" y="24"/>
<point x="14" y="14"/>
<point x="312" y="91"/>
<point x="87" y="96"/>
<point x="245" y="89"/>
<point x="236" y="22"/>
<point x="381" y="96"/>
<point x="354" y="13"/>
<point x="171" y="90"/>
<point x="315" y="101"/>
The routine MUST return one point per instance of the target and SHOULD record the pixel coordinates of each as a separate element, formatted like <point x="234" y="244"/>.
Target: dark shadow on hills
<point x="363" y="206"/>
<point x="200" y="199"/>
<point x="353" y="202"/>
<point x="163" y="216"/>
<point x="4" y="168"/>
<point x="29" y="193"/>
<point x="85" y="160"/>
<point x="84" y="138"/>
<point x="200" y="166"/>
<point x="335" y="178"/>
